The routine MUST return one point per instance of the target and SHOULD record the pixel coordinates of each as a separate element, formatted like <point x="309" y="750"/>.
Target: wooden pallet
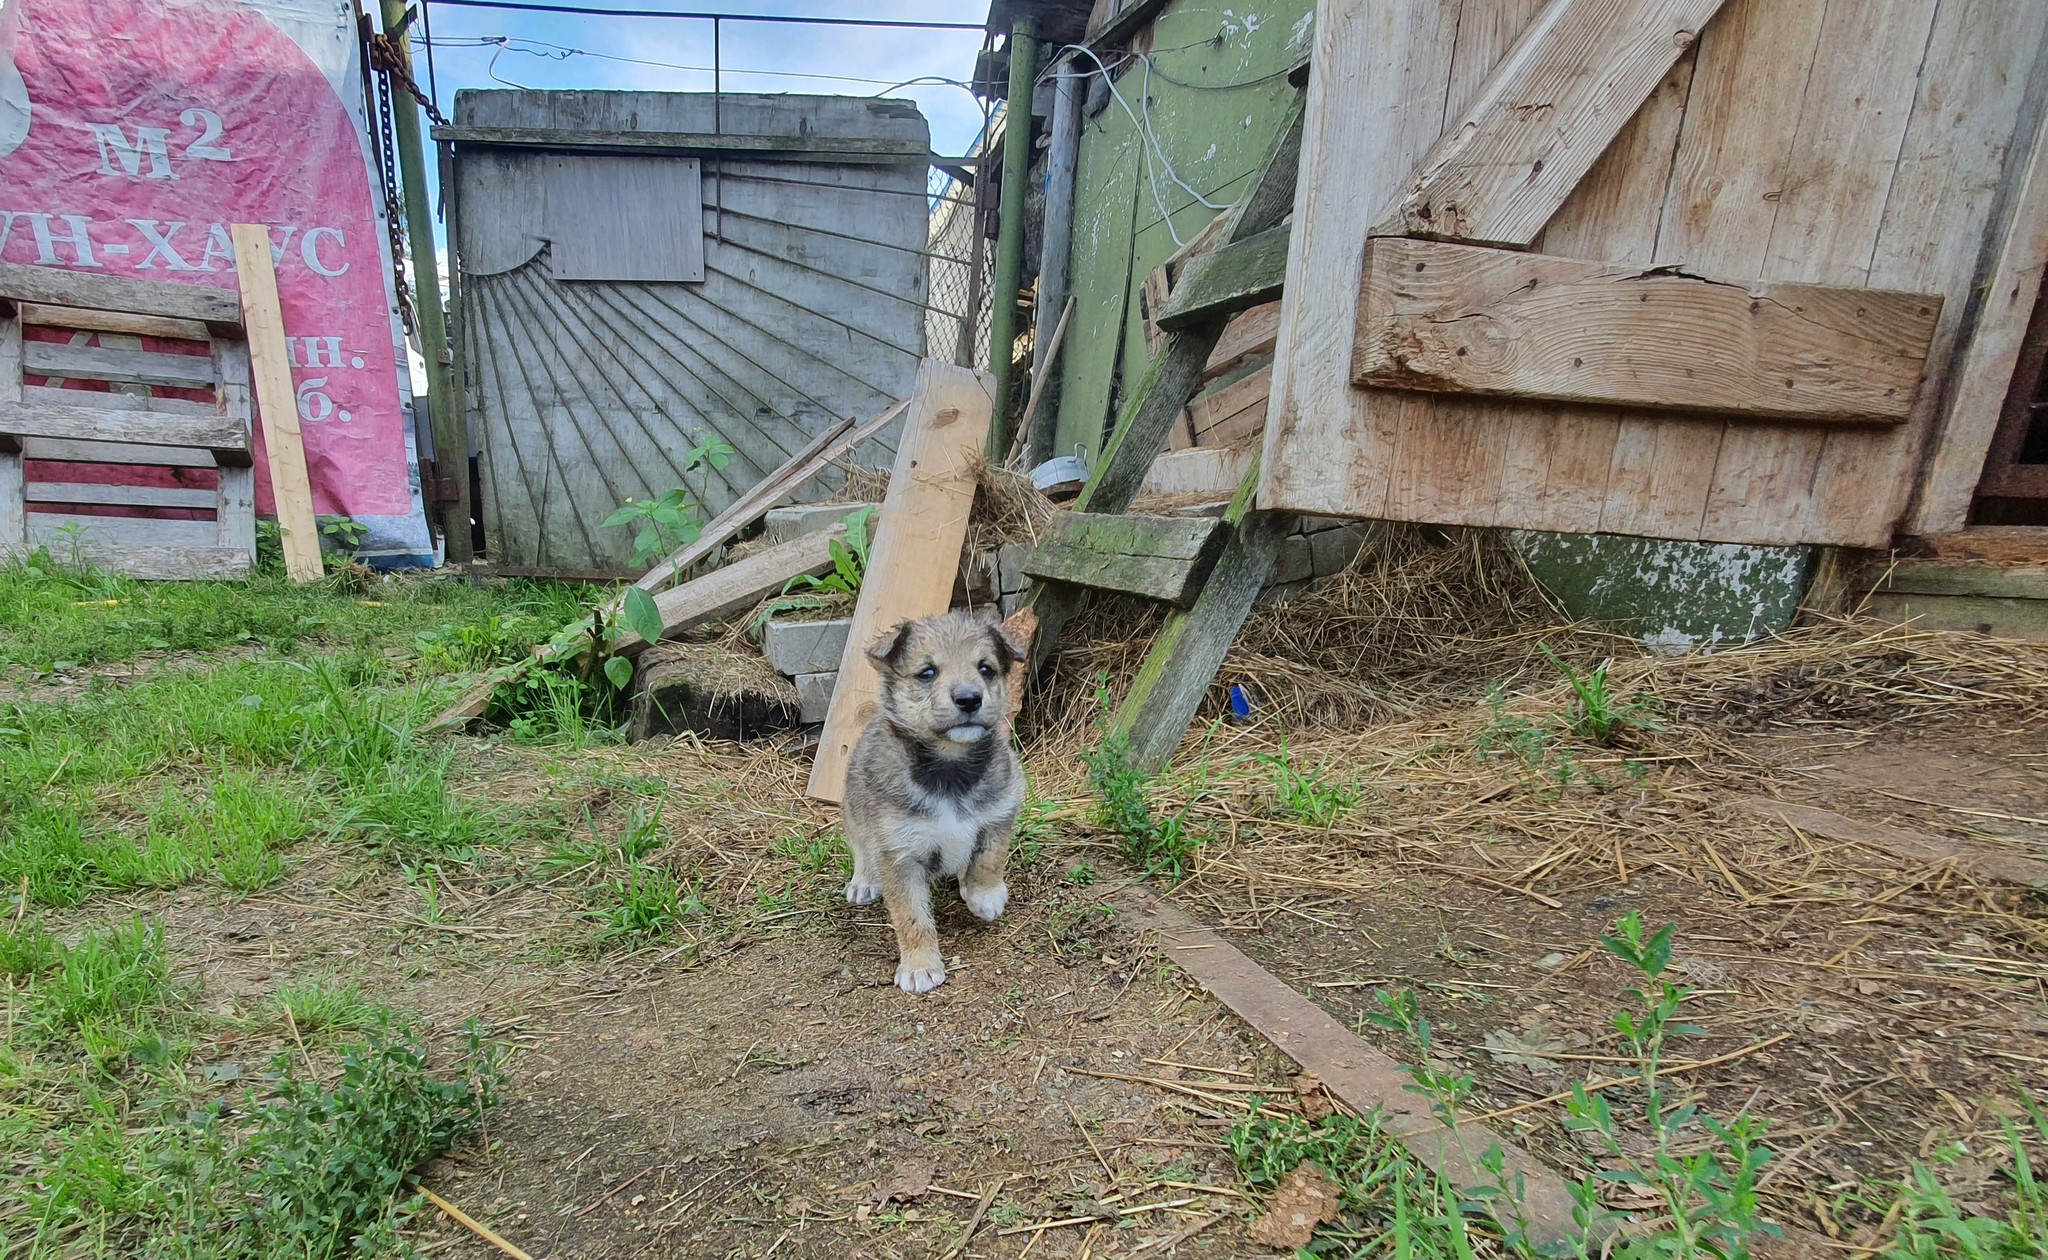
<point x="128" y="427"/>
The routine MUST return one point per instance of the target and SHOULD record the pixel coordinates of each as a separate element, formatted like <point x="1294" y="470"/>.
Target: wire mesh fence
<point x="960" y="269"/>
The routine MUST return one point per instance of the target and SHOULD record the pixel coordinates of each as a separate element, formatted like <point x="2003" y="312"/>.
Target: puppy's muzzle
<point x="967" y="700"/>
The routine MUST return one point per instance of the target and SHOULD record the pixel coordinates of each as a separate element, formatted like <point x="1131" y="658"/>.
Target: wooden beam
<point x="113" y="322"/>
<point x="1165" y="558"/>
<point x="13" y="474"/>
<point x="52" y="286"/>
<point x="1914" y="846"/>
<point x="1546" y="113"/>
<point x="916" y="552"/>
<point x="738" y="586"/>
<point x="164" y="564"/>
<point x="76" y="451"/>
<point x="270" y="366"/>
<point x="1500" y="323"/>
<point x="1203" y="470"/>
<point x="216" y="433"/>
<point x="1177" y="672"/>
<point x="1232" y="412"/>
<point x="1963" y="577"/>
<point x="1233" y="278"/>
<point x="52" y="528"/>
<point x="106" y="363"/>
<point x="118" y="495"/>
<point x="839" y="150"/>
<point x="1362" y="1076"/>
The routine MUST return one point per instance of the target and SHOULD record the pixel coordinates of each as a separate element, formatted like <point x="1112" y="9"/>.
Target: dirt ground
<point x="761" y="1088"/>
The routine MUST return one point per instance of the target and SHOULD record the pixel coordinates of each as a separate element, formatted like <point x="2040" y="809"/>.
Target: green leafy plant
<point x="849" y="559"/>
<point x="343" y="533"/>
<point x="1596" y="714"/>
<point x="1932" y="1225"/>
<point x="1309" y="794"/>
<point x="1161" y="845"/>
<point x="674" y="518"/>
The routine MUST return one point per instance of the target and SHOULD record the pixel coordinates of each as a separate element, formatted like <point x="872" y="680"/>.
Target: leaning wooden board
<point x="270" y="363"/>
<point x="916" y="555"/>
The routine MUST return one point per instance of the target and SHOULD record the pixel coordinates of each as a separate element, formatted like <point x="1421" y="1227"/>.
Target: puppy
<point x="934" y="787"/>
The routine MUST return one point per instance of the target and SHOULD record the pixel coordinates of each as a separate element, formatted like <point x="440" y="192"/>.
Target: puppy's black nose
<point x="967" y="699"/>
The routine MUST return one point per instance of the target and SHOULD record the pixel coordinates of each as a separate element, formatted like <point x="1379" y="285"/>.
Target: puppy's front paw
<point x="861" y="892"/>
<point x="920" y="977"/>
<point x="987" y="903"/>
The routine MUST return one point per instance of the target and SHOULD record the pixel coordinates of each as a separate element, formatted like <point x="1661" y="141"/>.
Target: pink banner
<point x="137" y="131"/>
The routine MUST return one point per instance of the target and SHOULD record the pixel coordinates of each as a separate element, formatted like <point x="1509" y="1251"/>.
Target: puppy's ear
<point x="1008" y="651"/>
<point x="887" y="651"/>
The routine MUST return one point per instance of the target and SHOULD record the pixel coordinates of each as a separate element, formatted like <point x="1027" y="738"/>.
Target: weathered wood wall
<point x="585" y="393"/>
<point x="1862" y="145"/>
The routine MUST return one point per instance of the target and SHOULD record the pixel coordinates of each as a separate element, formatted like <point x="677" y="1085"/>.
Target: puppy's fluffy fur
<point x="934" y="787"/>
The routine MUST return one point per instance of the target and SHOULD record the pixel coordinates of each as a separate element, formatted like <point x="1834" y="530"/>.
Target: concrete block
<point x="980" y="578"/>
<point x="1010" y="567"/>
<point x="1010" y="603"/>
<point x="814" y="695"/>
<point x="1295" y="561"/>
<point x="1317" y="524"/>
<point x="785" y="523"/>
<point x="1335" y="549"/>
<point x="805" y="647"/>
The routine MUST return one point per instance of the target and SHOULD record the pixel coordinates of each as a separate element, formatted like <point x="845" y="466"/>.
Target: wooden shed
<point x="639" y="273"/>
<point x="1750" y="271"/>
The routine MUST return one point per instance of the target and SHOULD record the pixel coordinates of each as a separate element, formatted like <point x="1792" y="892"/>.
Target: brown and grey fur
<point x="934" y="787"/>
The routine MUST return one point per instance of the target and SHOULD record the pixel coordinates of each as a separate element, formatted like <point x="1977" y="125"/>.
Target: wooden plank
<point x="52" y="286"/>
<point x="838" y="150"/>
<point x="1545" y="114"/>
<point x="164" y="564"/>
<point x="1962" y="577"/>
<point x="2023" y="619"/>
<point x="116" y="400"/>
<point x="113" y="322"/>
<point x="2022" y="544"/>
<point x="1984" y="370"/>
<point x="1503" y="323"/>
<point x="270" y="367"/>
<point x="633" y="218"/>
<point x="101" y="493"/>
<point x="235" y="503"/>
<point x="1354" y="1071"/>
<point x="1914" y="846"/>
<point x="137" y="426"/>
<point x="1854" y="85"/>
<point x="1377" y="101"/>
<point x="1205" y="470"/>
<point x="1236" y="411"/>
<point x="104" y="363"/>
<point x="68" y="450"/>
<point x="1232" y="278"/>
<point x="738" y="586"/>
<point x="1165" y="558"/>
<point x="1182" y="664"/>
<point x="13" y="497"/>
<point x="1248" y="336"/>
<point x="50" y="528"/>
<point x="916" y="552"/>
<point x="771" y="490"/>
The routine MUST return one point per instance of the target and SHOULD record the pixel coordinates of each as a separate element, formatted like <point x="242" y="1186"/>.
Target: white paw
<point x="861" y="892"/>
<point x="987" y="903"/>
<point x="920" y="979"/>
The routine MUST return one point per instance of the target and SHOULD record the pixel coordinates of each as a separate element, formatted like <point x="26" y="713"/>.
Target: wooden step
<point x="2004" y="598"/>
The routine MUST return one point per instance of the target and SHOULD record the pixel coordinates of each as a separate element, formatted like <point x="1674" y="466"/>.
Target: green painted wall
<point x="1214" y="98"/>
<point x="1671" y="595"/>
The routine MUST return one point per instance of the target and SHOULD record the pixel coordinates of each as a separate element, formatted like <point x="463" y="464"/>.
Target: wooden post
<point x="13" y="475"/>
<point x="270" y="365"/>
<point x="1061" y="162"/>
<point x="1191" y="645"/>
<point x="451" y="428"/>
<point x="1002" y="340"/>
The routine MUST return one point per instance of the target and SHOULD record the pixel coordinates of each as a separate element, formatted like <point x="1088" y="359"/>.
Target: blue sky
<point x="643" y="54"/>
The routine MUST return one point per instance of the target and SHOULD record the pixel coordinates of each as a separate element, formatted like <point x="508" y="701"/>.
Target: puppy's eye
<point x="928" y="673"/>
<point x="987" y="670"/>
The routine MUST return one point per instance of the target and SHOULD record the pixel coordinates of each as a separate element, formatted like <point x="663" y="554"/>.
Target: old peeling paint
<point x="1672" y="596"/>
<point x="1128" y="212"/>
